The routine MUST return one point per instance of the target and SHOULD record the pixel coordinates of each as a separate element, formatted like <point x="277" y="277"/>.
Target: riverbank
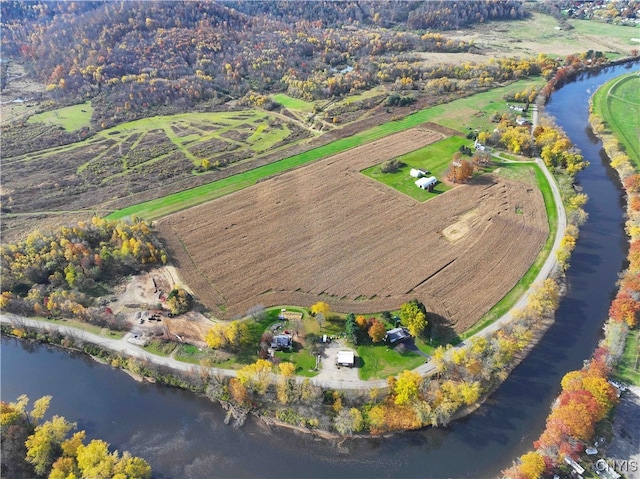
<point x="310" y="415"/>
<point x="507" y="341"/>
<point x="622" y="316"/>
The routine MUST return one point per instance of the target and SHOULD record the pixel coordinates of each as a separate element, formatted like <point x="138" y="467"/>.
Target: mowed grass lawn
<point x="629" y="367"/>
<point x="380" y="361"/>
<point x="454" y="115"/>
<point x="618" y="103"/>
<point x="434" y="158"/>
<point x="71" y="118"/>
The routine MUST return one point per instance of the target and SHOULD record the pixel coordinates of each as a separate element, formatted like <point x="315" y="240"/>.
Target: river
<point x="184" y="436"/>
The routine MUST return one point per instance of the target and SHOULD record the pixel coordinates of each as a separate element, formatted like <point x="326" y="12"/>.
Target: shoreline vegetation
<point x="332" y="103"/>
<point x="464" y="376"/>
<point x="599" y="394"/>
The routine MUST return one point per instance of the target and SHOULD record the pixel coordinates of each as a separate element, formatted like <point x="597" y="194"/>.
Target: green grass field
<point x="380" y="361"/>
<point x="365" y="95"/>
<point x="293" y="103"/>
<point x="629" y="368"/>
<point x="618" y="103"/>
<point x="305" y="362"/>
<point x="454" y="115"/>
<point x="540" y="33"/>
<point x="434" y="158"/>
<point x="608" y="31"/>
<point x="71" y="118"/>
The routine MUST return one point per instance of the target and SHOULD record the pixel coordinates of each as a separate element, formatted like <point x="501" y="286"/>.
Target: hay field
<point x="327" y="232"/>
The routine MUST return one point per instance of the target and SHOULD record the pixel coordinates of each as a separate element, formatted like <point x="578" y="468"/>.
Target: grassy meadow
<point x="434" y="158"/>
<point x="542" y="34"/>
<point x="70" y="118"/>
<point x="618" y="103"/>
<point x="629" y="367"/>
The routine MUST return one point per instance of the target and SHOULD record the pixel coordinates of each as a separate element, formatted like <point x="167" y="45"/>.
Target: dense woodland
<point x="130" y="57"/>
<point x="60" y="273"/>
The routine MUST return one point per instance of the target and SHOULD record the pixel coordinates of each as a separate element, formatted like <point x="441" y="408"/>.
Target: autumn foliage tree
<point x="460" y="171"/>
<point x="227" y="335"/>
<point x="413" y="315"/>
<point x="53" y="453"/>
<point x="624" y="308"/>
<point x="179" y="301"/>
<point x="321" y="308"/>
<point x="377" y="331"/>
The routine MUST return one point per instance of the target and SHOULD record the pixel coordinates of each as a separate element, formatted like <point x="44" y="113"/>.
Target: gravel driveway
<point x="329" y="369"/>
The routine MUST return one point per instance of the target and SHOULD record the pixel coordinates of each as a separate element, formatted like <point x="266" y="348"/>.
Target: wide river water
<point x="184" y="436"/>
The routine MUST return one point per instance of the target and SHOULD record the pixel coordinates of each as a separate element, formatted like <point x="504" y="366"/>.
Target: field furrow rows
<point x="327" y="232"/>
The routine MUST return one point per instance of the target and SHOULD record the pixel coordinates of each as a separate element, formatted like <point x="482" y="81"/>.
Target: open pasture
<point x="541" y="33"/>
<point x="434" y="158"/>
<point x="327" y="232"/>
<point x="618" y="101"/>
<point x="70" y="118"/>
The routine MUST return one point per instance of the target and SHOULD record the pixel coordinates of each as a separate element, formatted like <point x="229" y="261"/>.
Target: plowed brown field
<point x="327" y="232"/>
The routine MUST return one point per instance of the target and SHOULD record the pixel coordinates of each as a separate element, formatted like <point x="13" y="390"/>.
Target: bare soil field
<point x="327" y="232"/>
<point x="143" y="293"/>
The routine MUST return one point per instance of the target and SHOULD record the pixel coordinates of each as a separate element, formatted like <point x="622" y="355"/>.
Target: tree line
<point x="132" y="56"/>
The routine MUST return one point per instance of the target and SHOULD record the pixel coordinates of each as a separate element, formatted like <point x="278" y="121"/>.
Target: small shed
<point x="427" y="183"/>
<point x="346" y="358"/>
<point x="415" y="173"/>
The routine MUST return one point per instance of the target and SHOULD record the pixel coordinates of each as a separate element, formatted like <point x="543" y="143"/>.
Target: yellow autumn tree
<point x="532" y="465"/>
<point x="406" y="387"/>
<point x="256" y="376"/>
<point x="322" y="308"/>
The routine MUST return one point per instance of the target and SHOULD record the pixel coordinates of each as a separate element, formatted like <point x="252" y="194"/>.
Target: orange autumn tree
<point x="603" y="393"/>
<point x="625" y="309"/>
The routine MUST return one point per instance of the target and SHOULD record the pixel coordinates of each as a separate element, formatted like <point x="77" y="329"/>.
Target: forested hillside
<point x="131" y="57"/>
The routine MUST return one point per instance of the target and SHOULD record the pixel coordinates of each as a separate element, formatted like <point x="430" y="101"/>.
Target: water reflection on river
<point x="184" y="436"/>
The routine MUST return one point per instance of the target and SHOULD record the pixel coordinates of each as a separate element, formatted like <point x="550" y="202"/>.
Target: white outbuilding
<point x="427" y="183"/>
<point x="415" y="173"/>
<point x="346" y="358"/>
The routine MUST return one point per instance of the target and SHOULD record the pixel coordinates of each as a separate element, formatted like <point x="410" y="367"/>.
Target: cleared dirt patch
<point x="327" y="232"/>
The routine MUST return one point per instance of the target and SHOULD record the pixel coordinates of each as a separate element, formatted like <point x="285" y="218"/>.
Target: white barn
<point x="415" y="173"/>
<point x="427" y="183"/>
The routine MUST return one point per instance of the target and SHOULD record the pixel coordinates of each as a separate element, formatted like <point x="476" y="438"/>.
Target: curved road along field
<point x="122" y="346"/>
<point x="125" y="348"/>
